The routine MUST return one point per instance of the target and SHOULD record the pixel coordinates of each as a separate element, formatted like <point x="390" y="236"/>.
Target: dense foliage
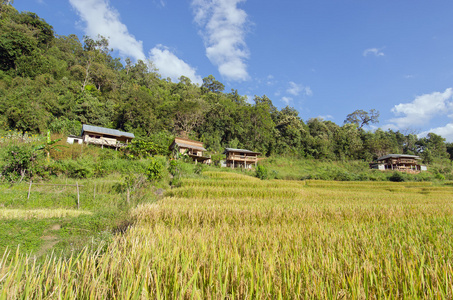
<point x="56" y="83"/>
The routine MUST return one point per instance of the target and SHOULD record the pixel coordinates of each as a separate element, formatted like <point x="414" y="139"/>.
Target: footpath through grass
<point x="49" y="220"/>
<point x="233" y="236"/>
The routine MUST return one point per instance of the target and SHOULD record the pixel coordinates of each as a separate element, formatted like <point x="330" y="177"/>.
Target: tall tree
<point x="210" y="84"/>
<point x="361" y="117"/>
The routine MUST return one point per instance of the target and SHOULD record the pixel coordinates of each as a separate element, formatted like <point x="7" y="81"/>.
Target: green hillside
<point x="56" y="83"/>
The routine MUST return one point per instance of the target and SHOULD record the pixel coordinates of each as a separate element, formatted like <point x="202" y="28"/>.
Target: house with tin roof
<point x="102" y="136"/>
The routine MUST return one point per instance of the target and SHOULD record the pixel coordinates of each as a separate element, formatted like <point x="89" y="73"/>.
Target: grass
<point x="221" y="237"/>
<point x="103" y="209"/>
<point x="349" y="170"/>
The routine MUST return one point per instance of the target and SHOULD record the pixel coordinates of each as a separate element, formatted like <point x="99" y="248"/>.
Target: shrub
<point x="262" y="173"/>
<point x="440" y="176"/>
<point x="75" y="168"/>
<point x="174" y="168"/>
<point x="199" y="168"/>
<point x="18" y="163"/>
<point x="155" y="170"/>
<point x="397" y="177"/>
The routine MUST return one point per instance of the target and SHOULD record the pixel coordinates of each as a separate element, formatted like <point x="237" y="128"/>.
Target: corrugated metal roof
<point x="240" y="150"/>
<point x="398" y="156"/>
<point x="104" y="130"/>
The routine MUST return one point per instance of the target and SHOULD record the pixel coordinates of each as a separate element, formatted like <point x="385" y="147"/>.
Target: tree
<point x="290" y="131"/>
<point x="212" y="85"/>
<point x="95" y="51"/>
<point x="432" y="148"/>
<point x="190" y="114"/>
<point x="449" y="147"/>
<point x="361" y="117"/>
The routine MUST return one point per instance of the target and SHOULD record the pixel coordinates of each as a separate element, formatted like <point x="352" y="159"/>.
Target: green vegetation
<point x="230" y="235"/>
<point x="85" y="192"/>
<point x="56" y="83"/>
<point x="311" y="221"/>
<point x="351" y="170"/>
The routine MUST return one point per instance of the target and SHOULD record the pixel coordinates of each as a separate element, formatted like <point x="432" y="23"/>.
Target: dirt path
<point x="50" y="240"/>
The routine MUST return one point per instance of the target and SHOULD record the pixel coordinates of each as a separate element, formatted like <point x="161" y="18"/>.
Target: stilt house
<point x="103" y="136"/>
<point x="241" y="158"/>
<point x="193" y="149"/>
<point x="398" y="162"/>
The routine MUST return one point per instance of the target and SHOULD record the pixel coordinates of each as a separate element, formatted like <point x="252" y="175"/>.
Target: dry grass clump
<point x="214" y="241"/>
<point x="8" y="214"/>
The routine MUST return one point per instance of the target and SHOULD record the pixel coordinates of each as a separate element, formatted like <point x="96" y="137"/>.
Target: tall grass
<point x="209" y="240"/>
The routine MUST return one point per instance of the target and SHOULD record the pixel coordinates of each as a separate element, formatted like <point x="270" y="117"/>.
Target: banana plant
<point x="50" y="145"/>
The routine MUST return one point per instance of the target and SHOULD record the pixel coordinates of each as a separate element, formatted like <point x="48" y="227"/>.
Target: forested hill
<point x="57" y="82"/>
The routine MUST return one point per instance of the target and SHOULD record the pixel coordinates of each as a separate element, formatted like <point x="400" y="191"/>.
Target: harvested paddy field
<point x="228" y="235"/>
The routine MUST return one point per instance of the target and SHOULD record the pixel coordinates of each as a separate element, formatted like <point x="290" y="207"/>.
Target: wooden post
<point x="78" y="196"/>
<point x="127" y="195"/>
<point x="29" y="190"/>
<point x="94" y="192"/>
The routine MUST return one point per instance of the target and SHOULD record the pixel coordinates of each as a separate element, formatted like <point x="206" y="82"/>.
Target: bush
<point x="19" y="163"/>
<point x="79" y="169"/>
<point x="199" y="168"/>
<point x="440" y="176"/>
<point x="262" y="173"/>
<point x="140" y="148"/>
<point x="397" y="177"/>
<point x="175" y="168"/>
<point x="155" y="170"/>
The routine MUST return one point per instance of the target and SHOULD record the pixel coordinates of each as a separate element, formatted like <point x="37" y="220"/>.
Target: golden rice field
<point x="237" y="237"/>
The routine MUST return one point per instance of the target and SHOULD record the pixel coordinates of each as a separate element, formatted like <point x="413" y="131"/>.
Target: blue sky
<point x="326" y="58"/>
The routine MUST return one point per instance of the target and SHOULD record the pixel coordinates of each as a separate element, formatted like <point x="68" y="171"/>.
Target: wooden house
<point x="398" y="162"/>
<point x="193" y="149"/>
<point x="105" y="136"/>
<point x="242" y="158"/>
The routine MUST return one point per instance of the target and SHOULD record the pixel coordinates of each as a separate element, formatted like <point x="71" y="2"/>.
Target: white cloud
<point x="373" y="51"/>
<point x="171" y="66"/>
<point x="423" y="109"/>
<point x="445" y="132"/>
<point x="325" y="117"/>
<point x="308" y="91"/>
<point x="100" y="18"/>
<point x="270" y="80"/>
<point x="296" y="89"/>
<point x="287" y="100"/>
<point x="223" y="27"/>
<point x="162" y="3"/>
